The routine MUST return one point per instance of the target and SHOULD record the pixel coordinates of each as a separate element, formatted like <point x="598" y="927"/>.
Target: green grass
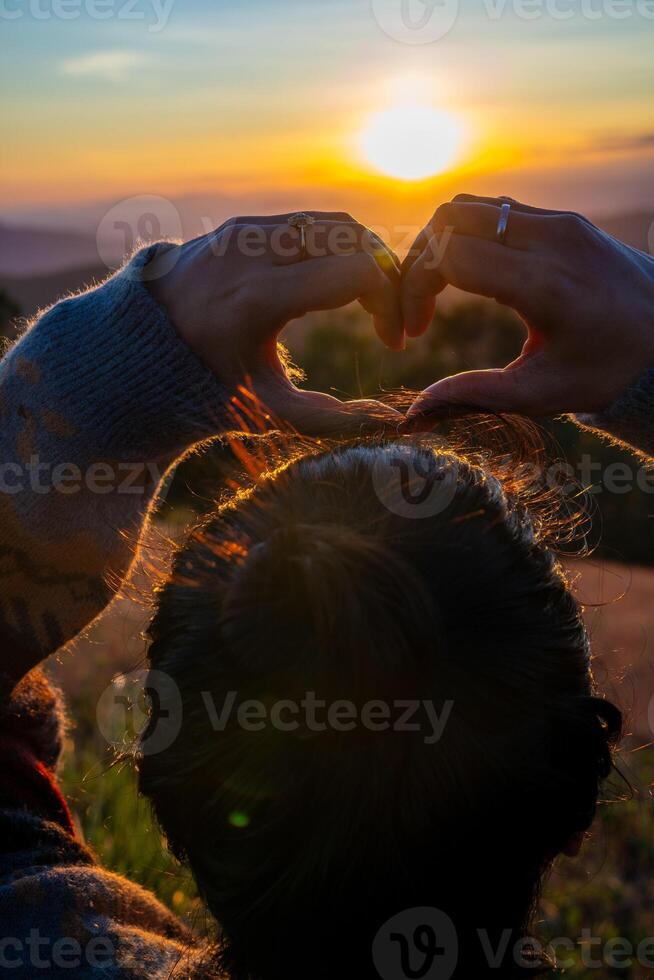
<point x="608" y="890"/>
<point x="119" y="826"/>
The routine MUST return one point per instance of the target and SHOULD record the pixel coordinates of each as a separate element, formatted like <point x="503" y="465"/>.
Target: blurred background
<point x="128" y="120"/>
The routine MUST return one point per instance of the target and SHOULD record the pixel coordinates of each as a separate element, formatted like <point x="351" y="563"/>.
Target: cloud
<point x="110" y="66"/>
<point x="625" y="141"/>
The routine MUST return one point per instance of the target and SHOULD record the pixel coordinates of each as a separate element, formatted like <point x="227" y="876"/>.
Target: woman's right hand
<point x="586" y="298"/>
<point x="230" y="293"/>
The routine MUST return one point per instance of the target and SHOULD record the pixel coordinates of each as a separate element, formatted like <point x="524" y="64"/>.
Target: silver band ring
<point x="302" y="221"/>
<point x="503" y="223"/>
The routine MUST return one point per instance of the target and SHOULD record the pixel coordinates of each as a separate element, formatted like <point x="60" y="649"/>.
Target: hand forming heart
<point x="230" y="293"/>
<point x="587" y="301"/>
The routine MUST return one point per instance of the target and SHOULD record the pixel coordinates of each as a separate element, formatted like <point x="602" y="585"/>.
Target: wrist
<point x="158" y="276"/>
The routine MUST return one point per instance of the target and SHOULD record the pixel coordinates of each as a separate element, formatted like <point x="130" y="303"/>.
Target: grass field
<point x="609" y="891"/>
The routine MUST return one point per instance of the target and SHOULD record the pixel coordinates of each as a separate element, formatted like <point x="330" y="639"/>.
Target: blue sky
<point x="242" y="92"/>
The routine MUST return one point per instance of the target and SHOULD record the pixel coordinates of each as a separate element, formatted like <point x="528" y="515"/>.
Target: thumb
<point x="259" y="408"/>
<point x="317" y="414"/>
<point x="314" y="413"/>
<point x="498" y="390"/>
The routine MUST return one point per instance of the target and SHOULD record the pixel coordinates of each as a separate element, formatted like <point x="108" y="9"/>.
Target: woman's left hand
<point x="230" y="293"/>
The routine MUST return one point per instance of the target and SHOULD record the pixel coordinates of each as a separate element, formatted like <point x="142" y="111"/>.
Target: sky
<point x="264" y="101"/>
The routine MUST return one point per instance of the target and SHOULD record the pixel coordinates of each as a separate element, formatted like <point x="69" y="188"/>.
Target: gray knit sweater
<point x="98" y="399"/>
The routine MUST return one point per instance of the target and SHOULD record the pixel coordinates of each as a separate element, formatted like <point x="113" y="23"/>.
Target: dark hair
<point x="320" y="579"/>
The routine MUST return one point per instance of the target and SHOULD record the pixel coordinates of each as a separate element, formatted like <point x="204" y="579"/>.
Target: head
<point x="312" y="822"/>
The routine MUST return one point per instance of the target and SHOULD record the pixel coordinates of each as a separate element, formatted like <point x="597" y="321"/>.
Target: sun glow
<point x="411" y="142"/>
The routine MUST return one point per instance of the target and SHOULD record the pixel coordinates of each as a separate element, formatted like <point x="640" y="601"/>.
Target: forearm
<point x="98" y="399"/>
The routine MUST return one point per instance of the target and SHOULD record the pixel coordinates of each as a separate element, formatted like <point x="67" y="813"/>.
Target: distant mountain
<point x="33" y="293"/>
<point x="36" y="251"/>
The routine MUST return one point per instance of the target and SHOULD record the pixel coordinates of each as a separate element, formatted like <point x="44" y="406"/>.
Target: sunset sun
<point x="411" y="142"/>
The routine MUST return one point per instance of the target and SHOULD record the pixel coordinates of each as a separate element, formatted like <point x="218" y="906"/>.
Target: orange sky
<point x="270" y="98"/>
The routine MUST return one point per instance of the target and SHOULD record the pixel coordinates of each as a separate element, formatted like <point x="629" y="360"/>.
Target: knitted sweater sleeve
<point x="98" y="399"/>
<point x="630" y="419"/>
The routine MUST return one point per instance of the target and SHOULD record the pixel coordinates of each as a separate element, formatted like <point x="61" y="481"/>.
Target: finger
<point x="501" y="390"/>
<point x="418" y="298"/>
<point x="515" y="205"/>
<point x="421" y="284"/>
<point x="313" y="413"/>
<point x="524" y="231"/>
<point x="384" y="244"/>
<point x="279" y="219"/>
<point x="271" y="400"/>
<point x="325" y="238"/>
<point x="416" y="250"/>
<point x="233" y="225"/>
<point x="335" y="281"/>
<point x="473" y="265"/>
<point x="281" y="244"/>
<point x="259" y="238"/>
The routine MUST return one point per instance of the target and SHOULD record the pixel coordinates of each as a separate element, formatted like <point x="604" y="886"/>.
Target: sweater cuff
<point x="32" y="712"/>
<point x="111" y="369"/>
<point x="630" y="419"/>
